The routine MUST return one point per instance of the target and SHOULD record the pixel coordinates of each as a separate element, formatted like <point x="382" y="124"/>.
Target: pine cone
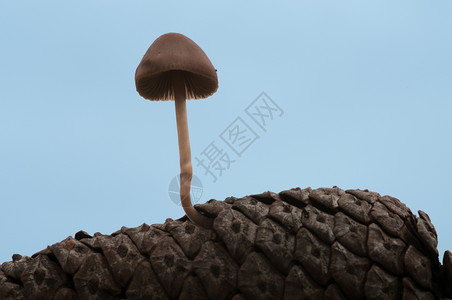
<point x="298" y="244"/>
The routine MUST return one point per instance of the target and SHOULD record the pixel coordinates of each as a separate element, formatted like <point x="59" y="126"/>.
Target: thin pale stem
<point x="186" y="171"/>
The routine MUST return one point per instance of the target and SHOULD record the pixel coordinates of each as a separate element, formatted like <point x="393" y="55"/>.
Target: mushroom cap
<point x="174" y="56"/>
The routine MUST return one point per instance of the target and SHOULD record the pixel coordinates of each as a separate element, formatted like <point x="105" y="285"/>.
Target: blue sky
<point x="363" y="87"/>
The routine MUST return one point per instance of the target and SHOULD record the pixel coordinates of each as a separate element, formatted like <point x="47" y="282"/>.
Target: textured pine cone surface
<point x="299" y="244"/>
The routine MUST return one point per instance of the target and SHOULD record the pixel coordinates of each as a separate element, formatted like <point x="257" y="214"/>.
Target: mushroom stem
<point x="186" y="171"/>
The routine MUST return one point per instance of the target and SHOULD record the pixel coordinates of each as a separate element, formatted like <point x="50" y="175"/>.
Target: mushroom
<point x="175" y="68"/>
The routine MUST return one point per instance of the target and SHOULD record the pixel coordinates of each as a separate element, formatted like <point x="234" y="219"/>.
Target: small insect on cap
<point x="173" y="56"/>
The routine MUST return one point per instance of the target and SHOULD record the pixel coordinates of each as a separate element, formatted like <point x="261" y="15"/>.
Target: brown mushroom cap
<point x="168" y="55"/>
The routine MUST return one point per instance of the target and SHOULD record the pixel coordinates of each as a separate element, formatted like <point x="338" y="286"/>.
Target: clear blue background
<point x="365" y="86"/>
